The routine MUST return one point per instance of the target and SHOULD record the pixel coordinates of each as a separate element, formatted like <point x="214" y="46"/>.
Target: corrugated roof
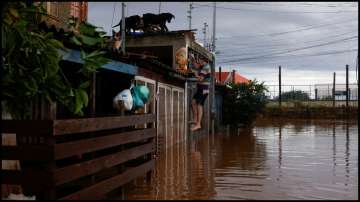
<point x="74" y="56"/>
<point x="228" y="75"/>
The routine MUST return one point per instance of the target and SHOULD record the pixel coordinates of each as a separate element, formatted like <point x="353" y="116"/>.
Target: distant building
<point x="227" y="77"/>
<point x="60" y="12"/>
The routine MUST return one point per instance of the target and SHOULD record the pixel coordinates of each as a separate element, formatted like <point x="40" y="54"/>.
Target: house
<point x="174" y="91"/>
<point x="60" y="12"/>
<point x="228" y="77"/>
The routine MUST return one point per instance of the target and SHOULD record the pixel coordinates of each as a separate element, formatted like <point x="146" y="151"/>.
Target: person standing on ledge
<point x="202" y="72"/>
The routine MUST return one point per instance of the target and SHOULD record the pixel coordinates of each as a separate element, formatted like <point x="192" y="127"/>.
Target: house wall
<point x="175" y="42"/>
<point x="60" y="12"/>
<point x="168" y="101"/>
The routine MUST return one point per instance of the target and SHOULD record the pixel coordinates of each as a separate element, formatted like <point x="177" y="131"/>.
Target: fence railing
<point x="318" y="94"/>
<point x="78" y="158"/>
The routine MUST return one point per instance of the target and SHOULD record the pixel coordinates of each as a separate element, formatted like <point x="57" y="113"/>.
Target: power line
<point x="287" y="57"/>
<point x="112" y="20"/>
<point x="328" y="43"/>
<point x="272" y="11"/>
<point x="295" y="4"/>
<point x="293" y="50"/>
<point x="262" y="46"/>
<point x="307" y="27"/>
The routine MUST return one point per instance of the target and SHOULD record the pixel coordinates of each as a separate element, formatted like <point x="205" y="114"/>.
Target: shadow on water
<point x="273" y="159"/>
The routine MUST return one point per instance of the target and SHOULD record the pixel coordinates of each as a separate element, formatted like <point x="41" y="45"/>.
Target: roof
<point x="226" y="76"/>
<point x="74" y="56"/>
<point x="174" y="33"/>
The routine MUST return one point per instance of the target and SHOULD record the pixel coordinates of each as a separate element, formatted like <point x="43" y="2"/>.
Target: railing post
<point x="220" y="74"/>
<point x="316" y="94"/>
<point x="347" y="86"/>
<point x="233" y="76"/>
<point x="334" y="89"/>
<point x="279" y="86"/>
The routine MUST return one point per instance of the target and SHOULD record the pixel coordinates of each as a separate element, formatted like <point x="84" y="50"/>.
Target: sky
<point x="310" y="40"/>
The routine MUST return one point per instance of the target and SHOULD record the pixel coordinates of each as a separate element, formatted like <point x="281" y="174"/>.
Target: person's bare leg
<point x="195" y="112"/>
<point x="197" y="126"/>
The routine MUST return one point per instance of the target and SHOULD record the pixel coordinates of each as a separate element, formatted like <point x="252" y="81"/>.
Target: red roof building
<point x="60" y="12"/>
<point x="227" y="77"/>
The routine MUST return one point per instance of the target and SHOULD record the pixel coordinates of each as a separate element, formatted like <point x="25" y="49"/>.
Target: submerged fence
<point x="317" y="94"/>
<point x="329" y="94"/>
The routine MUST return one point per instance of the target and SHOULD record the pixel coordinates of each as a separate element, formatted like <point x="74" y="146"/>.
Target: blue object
<point x="74" y="56"/>
<point x="140" y="96"/>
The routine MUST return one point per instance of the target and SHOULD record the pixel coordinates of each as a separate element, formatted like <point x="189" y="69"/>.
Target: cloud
<point x="252" y="29"/>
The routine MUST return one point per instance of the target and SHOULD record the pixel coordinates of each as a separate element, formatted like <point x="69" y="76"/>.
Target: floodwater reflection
<point x="274" y="159"/>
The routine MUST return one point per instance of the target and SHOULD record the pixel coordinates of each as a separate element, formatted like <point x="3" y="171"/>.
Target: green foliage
<point x="294" y="95"/>
<point x="31" y="62"/>
<point x="243" y="102"/>
<point x="329" y="97"/>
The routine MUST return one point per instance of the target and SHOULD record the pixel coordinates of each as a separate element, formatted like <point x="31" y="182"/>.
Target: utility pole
<point x="204" y="32"/>
<point x="279" y="86"/>
<point x="334" y="82"/>
<point x="212" y="93"/>
<point x="214" y="28"/>
<point x="357" y="68"/>
<point x="159" y="6"/>
<point x="123" y="28"/>
<point x="189" y="16"/>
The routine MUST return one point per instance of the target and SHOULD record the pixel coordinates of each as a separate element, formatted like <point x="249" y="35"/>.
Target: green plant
<point x="31" y="62"/>
<point x="243" y="102"/>
<point x="294" y="95"/>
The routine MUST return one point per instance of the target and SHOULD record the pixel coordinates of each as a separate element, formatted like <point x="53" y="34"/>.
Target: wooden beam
<point x="68" y="126"/>
<point x="98" y="190"/>
<point x="27" y="152"/>
<point x="68" y="149"/>
<point x="27" y="126"/>
<point x="78" y="170"/>
<point x="37" y="179"/>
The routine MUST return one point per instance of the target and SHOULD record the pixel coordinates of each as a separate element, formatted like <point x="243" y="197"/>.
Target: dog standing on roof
<point x="116" y="41"/>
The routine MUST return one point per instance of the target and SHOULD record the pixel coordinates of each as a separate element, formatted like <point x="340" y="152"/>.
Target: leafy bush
<point x="31" y="62"/>
<point x="243" y="102"/>
<point x="294" y="95"/>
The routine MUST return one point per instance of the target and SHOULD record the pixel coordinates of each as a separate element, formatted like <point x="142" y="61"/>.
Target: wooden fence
<point x="78" y="158"/>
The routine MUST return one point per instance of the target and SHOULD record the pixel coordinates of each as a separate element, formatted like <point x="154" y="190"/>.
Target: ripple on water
<point x="297" y="160"/>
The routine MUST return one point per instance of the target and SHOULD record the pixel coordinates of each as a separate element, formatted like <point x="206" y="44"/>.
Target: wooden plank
<point x="76" y="171"/>
<point x="27" y="152"/>
<point x="68" y="126"/>
<point x="38" y="179"/>
<point x="98" y="190"/>
<point x="93" y="144"/>
<point x="27" y="126"/>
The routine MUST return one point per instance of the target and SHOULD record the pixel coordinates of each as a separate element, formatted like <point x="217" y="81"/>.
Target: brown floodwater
<point x="274" y="159"/>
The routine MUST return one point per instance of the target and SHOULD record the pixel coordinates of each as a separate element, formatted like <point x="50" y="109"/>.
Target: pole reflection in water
<point x="275" y="159"/>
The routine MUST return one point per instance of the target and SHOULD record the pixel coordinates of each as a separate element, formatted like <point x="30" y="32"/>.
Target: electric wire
<point x="112" y="20"/>
<point x="293" y="57"/>
<point x="293" y="50"/>
<point x="302" y="28"/>
<point x="272" y="11"/>
<point x="264" y="45"/>
<point x="255" y="51"/>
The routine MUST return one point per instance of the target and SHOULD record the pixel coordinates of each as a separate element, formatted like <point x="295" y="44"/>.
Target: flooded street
<point x="288" y="159"/>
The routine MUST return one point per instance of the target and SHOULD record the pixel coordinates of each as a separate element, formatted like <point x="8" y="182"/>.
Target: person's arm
<point x="205" y="72"/>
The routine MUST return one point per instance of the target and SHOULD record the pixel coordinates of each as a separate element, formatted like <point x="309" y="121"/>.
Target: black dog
<point x="132" y="22"/>
<point x="150" y="19"/>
